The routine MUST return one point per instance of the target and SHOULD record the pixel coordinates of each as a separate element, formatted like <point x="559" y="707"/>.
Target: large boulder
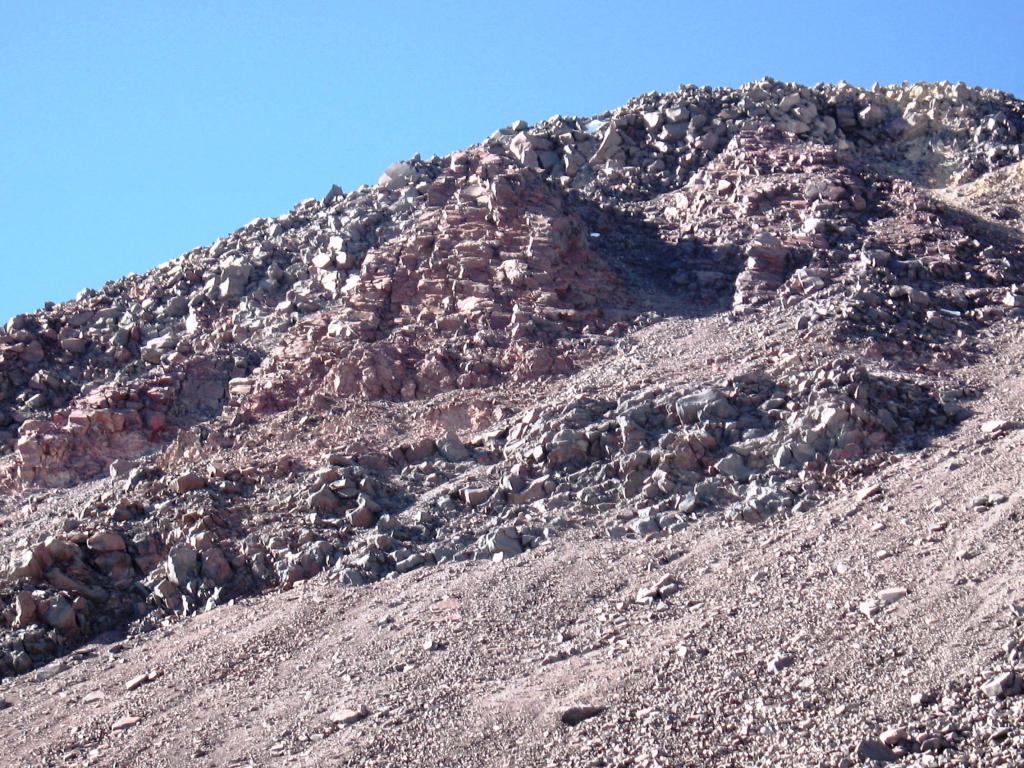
<point x="182" y="562"/>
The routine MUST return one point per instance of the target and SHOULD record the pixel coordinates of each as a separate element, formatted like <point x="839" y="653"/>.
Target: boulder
<point x="59" y="614"/>
<point x="733" y="466"/>
<point x="873" y="749"/>
<point x="333" y="195"/>
<point x="396" y="175"/>
<point x="1003" y="684"/>
<point x="871" y="116"/>
<point x="324" y="500"/>
<point x="710" y="405"/>
<point x="105" y="541"/>
<point x="505" y="542"/>
<point x="24" y="609"/>
<point x="190" y="481"/>
<point x="474" y="497"/>
<point x="182" y="561"/>
<point x="215" y="566"/>
<point x="60" y="580"/>
<point x="420" y="450"/>
<point x="27" y="565"/>
<point x="362" y="517"/>
<point x="452" y="449"/>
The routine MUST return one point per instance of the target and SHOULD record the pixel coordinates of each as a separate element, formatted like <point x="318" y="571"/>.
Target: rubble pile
<point x="934" y="132"/>
<point x="371" y="383"/>
<point x="645" y="465"/>
<point x="477" y="217"/>
<point x="495" y="278"/>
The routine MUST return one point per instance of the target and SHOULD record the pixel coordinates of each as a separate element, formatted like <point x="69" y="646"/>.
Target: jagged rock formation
<point x="440" y="368"/>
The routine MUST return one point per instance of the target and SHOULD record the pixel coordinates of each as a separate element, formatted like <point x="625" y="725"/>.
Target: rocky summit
<point x="686" y="434"/>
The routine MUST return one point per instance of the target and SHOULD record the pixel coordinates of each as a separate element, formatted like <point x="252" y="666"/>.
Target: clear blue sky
<point x="131" y="132"/>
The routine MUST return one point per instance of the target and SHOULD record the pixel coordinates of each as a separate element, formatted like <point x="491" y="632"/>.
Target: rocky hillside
<point x="722" y="374"/>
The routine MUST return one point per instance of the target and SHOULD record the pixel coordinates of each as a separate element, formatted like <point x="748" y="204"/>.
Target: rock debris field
<point x="686" y="434"/>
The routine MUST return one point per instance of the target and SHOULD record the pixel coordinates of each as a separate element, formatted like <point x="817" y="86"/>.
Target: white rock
<point x="891" y="595"/>
<point x="348" y="716"/>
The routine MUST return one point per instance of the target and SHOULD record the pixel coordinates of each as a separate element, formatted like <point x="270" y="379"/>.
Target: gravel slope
<point x="474" y="663"/>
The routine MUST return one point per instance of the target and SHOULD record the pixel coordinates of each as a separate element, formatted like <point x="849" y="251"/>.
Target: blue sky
<point x="131" y="132"/>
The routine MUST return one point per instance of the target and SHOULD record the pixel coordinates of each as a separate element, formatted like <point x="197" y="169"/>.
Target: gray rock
<point x="27" y="565"/>
<point x="415" y="560"/>
<point x="362" y="517"/>
<point x="891" y="595"/>
<point x="121" y="468"/>
<point x="234" y="279"/>
<point x="1000" y="685"/>
<point x="893" y="736"/>
<point x="609" y="146"/>
<point x="663" y="589"/>
<point x="504" y="541"/>
<point x="789" y="101"/>
<point x="74" y="345"/>
<point x="60" y="614"/>
<point x="452" y="449"/>
<point x="709" y="404"/>
<point x="324" y="500"/>
<point x="420" y="450"/>
<point x="62" y="581"/>
<point x="21" y="662"/>
<point x="182" y="562"/>
<point x="644" y="526"/>
<point x="733" y="466"/>
<point x="396" y="175"/>
<point x="871" y="116"/>
<point x="165" y="589"/>
<point x="352" y="577"/>
<point x="324" y="260"/>
<point x="922" y="699"/>
<point x="335" y="193"/>
<point x="533" y="492"/>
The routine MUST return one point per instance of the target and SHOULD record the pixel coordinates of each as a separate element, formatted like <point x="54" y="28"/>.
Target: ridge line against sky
<point x="133" y="133"/>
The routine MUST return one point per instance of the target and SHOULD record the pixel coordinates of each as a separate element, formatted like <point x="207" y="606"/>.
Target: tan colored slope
<point x="257" y="683"/>
<point x="997" y="197"/>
